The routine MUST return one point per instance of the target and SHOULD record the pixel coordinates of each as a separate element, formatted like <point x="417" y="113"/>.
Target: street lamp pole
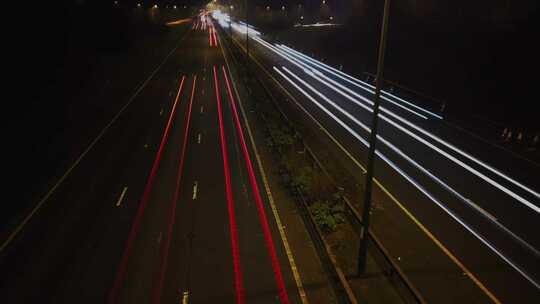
<point x="247" y="34"/>
<point x="362" y="254"/>
<point x="230" y="19"/>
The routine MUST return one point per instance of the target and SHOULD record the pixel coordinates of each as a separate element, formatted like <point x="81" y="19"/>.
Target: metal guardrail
<point x="432" y="101"/>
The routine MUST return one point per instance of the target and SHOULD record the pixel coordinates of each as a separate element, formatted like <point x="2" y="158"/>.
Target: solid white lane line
<point x="121" y="197"/>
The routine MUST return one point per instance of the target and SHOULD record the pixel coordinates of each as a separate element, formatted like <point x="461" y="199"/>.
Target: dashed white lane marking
<point x="195" y="188"/>
<point x="185" y="297"/>
<point x="199" y="138"/>
<point x="121" y="197"/>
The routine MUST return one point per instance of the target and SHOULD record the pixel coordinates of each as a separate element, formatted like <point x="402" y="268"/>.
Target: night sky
<point x="495" y="42"/>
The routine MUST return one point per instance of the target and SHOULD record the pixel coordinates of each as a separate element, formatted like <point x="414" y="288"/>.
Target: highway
<point x="166" y="206"/>
<point x="475" y="206"/>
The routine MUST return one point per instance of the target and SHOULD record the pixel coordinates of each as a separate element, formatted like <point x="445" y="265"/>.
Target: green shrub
<point x="328" y="214"/>
<point x="303" y="178"/>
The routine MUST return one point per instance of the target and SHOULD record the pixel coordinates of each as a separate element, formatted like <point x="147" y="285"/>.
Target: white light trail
<point x="356" y="82"/>
<point x="502" y="188"/>
<point x="414" y="163"/>
<point x="366" y="89"/>
<point x="409" y="179"/>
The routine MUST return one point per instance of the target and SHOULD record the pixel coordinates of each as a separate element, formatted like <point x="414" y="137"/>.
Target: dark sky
<point x="39" y="32"/>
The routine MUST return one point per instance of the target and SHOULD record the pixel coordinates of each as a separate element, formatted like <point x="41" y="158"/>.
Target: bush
<point x="303" y="178"/>
<point x="328" y="214"/>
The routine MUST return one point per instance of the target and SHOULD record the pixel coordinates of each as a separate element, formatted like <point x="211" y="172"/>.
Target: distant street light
<point x="283" y="8"/>
<point x="155" y="6"/>
<point x="268" y="8"/>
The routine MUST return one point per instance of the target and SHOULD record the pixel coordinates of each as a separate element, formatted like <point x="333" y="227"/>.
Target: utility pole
<point x="362" y="254"/>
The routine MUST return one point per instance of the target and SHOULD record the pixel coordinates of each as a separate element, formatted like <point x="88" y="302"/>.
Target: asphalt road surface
<point x="476" y="204"/>
<point x="167" y="206"/>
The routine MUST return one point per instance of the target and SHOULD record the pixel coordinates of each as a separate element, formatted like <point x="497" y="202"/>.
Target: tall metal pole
<point x="230" y="19"/>
<point x="362" y="255"/>
<point x="247" y="34"/>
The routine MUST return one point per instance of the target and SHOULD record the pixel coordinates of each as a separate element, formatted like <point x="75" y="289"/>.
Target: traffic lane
<point x="190" y="62"/>
<point x="86" y="279"/>
<point x="503" y="160"/>
<point x="513" y="187"/>
<point x="353" y="146"/>
<point x="200" y="260"/>
<point x="259" y="279"/>
<point x="105" y="244"/>
<point x="272" y="58"/>
<point x="529" y="260"/>
<point x="282" y="258"/>
<point x="522" y="171"/>
<point x="204" y="270"/>
<point x="207" y="269"/>
<point x="196" y="48"/>
<point x="57" y="235"/>
<point x="498" y="276"/>
<point x="450" y="172"/>
<point x="135" y="284"/>
<point x="470" y="186"/>
<point x="187" y="62"/>
<point x="401" y="182"/>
